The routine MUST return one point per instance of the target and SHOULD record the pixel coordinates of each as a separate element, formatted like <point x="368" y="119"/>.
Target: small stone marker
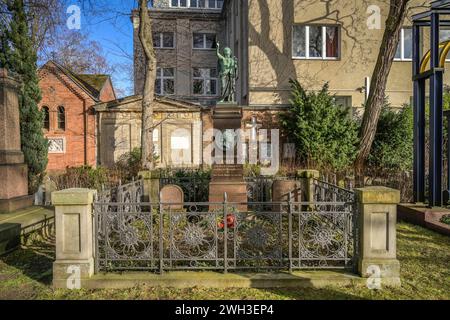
<point x="172" y="194"/>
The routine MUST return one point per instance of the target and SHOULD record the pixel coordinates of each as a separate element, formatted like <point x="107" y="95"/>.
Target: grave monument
<point x="13" y="170"/>
<point x="228" y="176"/>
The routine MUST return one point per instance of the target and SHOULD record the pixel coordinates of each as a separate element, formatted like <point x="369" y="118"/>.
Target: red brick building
<point x="70" y="123"/>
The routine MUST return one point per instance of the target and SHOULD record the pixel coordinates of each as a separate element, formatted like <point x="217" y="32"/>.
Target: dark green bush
<point x="324" y="133"/>
<point x="393" y="145"/>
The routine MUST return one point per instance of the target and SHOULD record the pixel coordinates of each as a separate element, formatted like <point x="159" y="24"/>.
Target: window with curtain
<point x="46" y="118"/>
<point x="315" y="42"/>
<point x="61" y="118"/>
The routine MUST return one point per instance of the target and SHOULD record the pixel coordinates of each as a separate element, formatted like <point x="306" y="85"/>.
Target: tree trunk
<point x="148" y="95"/>
<point x="376" y="98"/>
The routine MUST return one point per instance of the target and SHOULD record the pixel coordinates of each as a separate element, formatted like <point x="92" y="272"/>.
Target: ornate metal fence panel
<point x="259" y="189"/>
<point x="224" y="236"/>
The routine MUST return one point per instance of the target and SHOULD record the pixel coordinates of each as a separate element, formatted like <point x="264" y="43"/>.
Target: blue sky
<point x="109" y="24"/>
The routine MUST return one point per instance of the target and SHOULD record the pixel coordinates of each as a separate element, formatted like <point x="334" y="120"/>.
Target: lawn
<point x="425" y="274"/>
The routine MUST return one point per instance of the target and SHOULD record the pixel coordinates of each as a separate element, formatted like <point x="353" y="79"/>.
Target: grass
<point x="446" y="219"/>
<point x="423" y="254"/>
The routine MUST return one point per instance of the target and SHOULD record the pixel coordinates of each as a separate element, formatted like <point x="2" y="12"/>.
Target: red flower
<point x="231" y="220"/>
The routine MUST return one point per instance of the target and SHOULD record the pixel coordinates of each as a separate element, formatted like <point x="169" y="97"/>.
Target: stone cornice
<point x="169" y="13"/>
<point x="9" y="80"/>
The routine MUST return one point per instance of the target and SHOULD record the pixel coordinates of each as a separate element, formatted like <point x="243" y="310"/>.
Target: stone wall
<point x="120" y="131"/>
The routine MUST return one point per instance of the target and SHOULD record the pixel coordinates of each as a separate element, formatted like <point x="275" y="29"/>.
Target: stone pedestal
<point x="377" y="234"/>
<point x="228" y="178"/>
<point x="74" y="220"/>
<point x="13" y="170"/>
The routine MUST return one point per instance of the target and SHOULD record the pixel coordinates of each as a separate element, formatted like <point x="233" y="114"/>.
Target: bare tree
<point x="148" y="95"/>
<point x="396" y="17"/>
<point x="75" y="51"/>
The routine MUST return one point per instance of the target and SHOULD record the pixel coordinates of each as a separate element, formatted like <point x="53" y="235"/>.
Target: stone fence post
<point x="377" y="217"/>
<point x="308" y="177"/>
<point x="151" y="185"/>
<point x="74" y="222"/>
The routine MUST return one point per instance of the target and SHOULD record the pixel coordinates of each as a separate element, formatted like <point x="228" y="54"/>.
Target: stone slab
<point x="173" y="195"/>
<point x="420" y="214"/>
<point x="14" y="204"/>
<point x="75" y="196"/>
<point x="377" y="195"/>
<point x="16" y="176"/>
<point x="11" y="225"/>
<point x="297" y="279"/>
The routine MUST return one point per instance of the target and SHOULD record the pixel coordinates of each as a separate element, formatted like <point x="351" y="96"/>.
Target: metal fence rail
<point x="222" y="236"/>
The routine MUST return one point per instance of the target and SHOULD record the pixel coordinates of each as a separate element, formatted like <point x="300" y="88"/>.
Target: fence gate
<point x="134" y="235"/>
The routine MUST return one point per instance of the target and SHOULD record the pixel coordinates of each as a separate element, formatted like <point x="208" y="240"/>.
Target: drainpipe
<point x="85" y="118"/>
<point x="367" y="86"/>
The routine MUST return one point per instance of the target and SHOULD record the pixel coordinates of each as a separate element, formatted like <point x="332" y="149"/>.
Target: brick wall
<point x="59" y="90"/>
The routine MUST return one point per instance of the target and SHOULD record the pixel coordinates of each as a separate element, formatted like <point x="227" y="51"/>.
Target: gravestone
<point x="172" y="194"/>
<point x="228" y="177"/>
<point x="13" y="170"/>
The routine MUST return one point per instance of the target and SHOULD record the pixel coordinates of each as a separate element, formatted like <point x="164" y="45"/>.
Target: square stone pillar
<point x="13" y="170"/>
<point x="308" y="177"/>
<point x="151" y="185"/>
<point x="74" y="222"/>
<point x="377" y="219"/>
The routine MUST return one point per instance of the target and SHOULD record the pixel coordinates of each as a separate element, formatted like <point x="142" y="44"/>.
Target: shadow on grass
<point x="303" y="288"/>
<point x="34" y="261"/>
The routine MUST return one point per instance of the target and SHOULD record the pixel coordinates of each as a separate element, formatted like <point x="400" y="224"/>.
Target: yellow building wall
<point x="270" y="50"/>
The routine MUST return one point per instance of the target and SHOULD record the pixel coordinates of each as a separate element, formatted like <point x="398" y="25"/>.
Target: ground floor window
<point x="404" y="49"/>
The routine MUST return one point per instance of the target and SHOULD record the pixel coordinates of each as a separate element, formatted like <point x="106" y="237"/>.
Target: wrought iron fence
<point x="130" y="193"/>
<point x="224" y="236"/>
<point x="194" y="188"/>
<point x="259" y="189"/>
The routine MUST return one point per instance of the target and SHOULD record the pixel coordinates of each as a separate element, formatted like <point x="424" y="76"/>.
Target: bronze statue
<point x="228" y="74"/>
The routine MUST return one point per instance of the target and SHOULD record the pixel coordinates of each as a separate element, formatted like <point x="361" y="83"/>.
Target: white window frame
<point x="402" y="47"/>
<point x="161" y="41"/>
<point x="204" y="94"/>
<point x="188" y="5"/>
<point x="204" y="40"/>
<point x="161" y="77"/>
<point x="324" y="43"/>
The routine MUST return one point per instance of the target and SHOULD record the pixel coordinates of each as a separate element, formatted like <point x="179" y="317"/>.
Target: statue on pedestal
<point x="228" y="74"/>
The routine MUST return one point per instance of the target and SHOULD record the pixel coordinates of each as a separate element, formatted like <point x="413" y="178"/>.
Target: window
<point x="207" y="4"/>
<point x="315" y="42"/>
<point x="179" y="3"/>
<point x="444" y="36"/>
<point x="164" y="40"/>
<point x="343" y="101"/>
<point x="61" y="118"/>
<point x="46" y="114"/>
<point x="165" y="81"/>
<point x="204" y="40"/>
<point x="205" y="81"/>
<point x="404" y="50"/>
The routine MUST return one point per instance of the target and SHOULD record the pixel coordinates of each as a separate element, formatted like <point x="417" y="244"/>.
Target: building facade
<point x="69" y="119"/>
<point x="313" y="41"/>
